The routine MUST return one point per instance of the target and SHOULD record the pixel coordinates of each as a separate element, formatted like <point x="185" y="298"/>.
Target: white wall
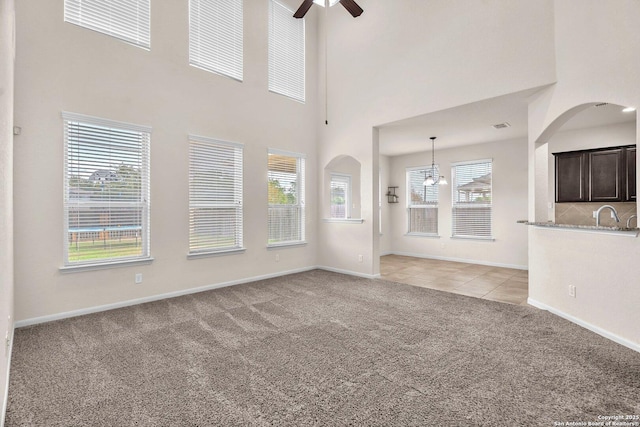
<point x="385" y="214"/>
<point x="509" y="249"/>
<point x="62" y="67"/>
<point x="7" y="51"/>
<point x="596" y="62"/>
<point x="404" y="58"/>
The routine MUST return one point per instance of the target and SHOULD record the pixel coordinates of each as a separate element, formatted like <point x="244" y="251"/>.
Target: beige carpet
<point x="318" y="348"/>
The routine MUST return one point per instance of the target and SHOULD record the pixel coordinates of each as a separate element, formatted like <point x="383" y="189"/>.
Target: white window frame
<point x="143" y="203"/>
<point x="299" y="205"/>
<point x="455" y="204"/>
<point x="422" y="206"/>
<point x="348" y="201"/>
<point x="127" y="20"/>
<point x="216" y="36"/>
<point x="203" y="157"/>
<point x="286" y="52"/>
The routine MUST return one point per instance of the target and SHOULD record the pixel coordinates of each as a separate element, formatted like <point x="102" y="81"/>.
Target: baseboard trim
<point x="349" y="272"/>
<point x="453" y="259"/>
<point x="128" y="303"/>
<point x="602" y="332"/>
<point x="6" y="385"/>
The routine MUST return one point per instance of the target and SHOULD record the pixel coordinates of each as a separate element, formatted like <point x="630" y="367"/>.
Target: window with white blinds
<point x="216" y="36"/>
<point x="215" y="196"/>
<point x="127" y="20"/>
<point x="422" y="201"/>
<point x="286" y="198"/>
<point x="340" y="196"/>
<point x="286" y="52"/>
<point x="471" y="187"/>
<point x="106" y="191"/>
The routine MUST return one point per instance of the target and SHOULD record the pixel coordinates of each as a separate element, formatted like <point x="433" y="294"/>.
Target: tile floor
<point x="493" y="283"/>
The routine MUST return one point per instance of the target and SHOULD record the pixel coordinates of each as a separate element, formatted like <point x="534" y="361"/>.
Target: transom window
<point x="286" y="198"/>
<point x="215" y="195"/>
<point x="472" y="199"/>
<point x="216" y="36"/>
<point x="422" y="201"/>
<point x="286" y="52"/>
<point x="126" y="20"/>
<point x="106" y="191"/>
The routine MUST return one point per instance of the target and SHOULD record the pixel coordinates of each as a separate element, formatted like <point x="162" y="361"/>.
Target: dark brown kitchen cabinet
<point x="605" y="175"/>
<point x="631" y="174"/>
<point x="570" y="177"/>
<point x="602" y="175"/>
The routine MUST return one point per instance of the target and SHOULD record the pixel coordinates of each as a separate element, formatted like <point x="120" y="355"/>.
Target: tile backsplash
<point x="582" y="214"/>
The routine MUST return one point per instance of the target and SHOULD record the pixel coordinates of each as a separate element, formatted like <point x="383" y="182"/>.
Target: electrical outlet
<point x="572" y="291"/>
<point x="277" y="257"/>
<point x="360" y="258"/>
<point x="138" y="278"/>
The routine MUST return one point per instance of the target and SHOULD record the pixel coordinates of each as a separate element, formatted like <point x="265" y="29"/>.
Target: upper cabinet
<point x="602" y="175"/>
<point x="606" y="175"/>
<point x="631" y="174"/>
<point x="571" y="177"/>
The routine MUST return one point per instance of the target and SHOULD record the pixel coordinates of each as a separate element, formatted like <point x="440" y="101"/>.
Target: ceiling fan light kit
<point x="351" y="6"/>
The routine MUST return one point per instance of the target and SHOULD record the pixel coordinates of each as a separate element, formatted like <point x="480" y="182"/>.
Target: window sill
<point x="104" y="266"/>
<point x="344" y="220"/>
<point x="431" y="235"/>
<point x="486" y="239"/>
<point x="207" y="254"/>
<point x="285" y="245"/>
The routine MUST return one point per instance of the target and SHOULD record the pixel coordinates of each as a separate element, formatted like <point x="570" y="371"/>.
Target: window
<point x="127" y="20"/>
<point x="106" y="191"/>
<point x="472" y="199"/>
<point x="340" y="196"/>
<point x="422" y="201"/>
<point x="286" y="52"/>
<point x="215" y="196"/>
<point x="286" y="198"/>
<point x="215" y="36"/>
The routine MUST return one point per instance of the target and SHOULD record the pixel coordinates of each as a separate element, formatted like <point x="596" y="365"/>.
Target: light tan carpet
<point x="318" y="348"/>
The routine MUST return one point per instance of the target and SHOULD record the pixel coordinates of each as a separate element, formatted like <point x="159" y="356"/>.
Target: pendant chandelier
<point x="430" y="179"/>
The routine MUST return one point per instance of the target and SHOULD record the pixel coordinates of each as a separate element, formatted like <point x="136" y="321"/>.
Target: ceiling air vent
<point x="501" y="125"/>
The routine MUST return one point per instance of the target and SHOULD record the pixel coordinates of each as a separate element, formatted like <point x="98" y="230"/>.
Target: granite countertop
<point x="580" y="227"/>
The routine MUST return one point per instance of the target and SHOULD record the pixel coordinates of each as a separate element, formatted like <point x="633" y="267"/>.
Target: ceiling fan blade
<point x="303" y="9"/>
<point x="352" y="7"/>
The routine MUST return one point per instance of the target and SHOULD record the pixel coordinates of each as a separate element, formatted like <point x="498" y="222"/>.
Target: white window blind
<point x="127" y="20"/>
<point x="215" y="195"/>
<point x="286" y="198"/>
<point x="216" y="36"/>
<point x="106" y="190"/>
<point x="340" y="196"/>
<point x="472" y="199"/>
<point x="286" y="52"/>
<point x="422" y="201"/>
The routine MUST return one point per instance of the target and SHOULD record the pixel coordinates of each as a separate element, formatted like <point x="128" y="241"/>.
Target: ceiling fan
<point x="351" y="6"/>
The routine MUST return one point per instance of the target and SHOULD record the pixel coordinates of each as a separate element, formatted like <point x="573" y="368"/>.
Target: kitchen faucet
<point x="614" y="214"/>
<point x="631" y="218"/>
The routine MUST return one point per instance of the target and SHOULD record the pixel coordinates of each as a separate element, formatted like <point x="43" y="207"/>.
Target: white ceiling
<point x="472" y="124"/>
